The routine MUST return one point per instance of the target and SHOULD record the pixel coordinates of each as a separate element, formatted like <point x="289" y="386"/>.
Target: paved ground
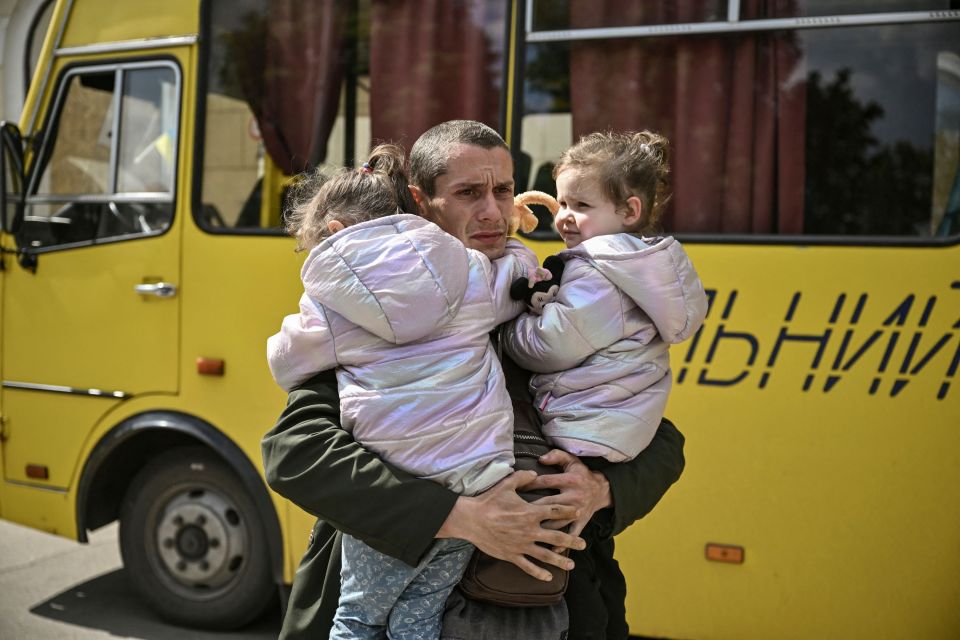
<point x="57" y="589"/>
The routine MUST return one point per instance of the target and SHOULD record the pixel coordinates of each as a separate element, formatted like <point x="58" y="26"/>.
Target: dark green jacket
<point x="317" y="465"/>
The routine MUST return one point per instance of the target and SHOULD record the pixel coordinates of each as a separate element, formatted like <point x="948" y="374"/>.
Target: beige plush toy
<point x="523" y="218"/>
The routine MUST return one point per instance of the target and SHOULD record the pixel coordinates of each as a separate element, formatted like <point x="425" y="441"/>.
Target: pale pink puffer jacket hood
<point x="601" y="348"/>
<point x="656" y="274"/>
<point x="403" y="311"/>
<point x="397" y="277"/>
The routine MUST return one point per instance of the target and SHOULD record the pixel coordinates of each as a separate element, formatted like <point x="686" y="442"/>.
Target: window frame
<point x="733" y="24"/>
<point x="528" y="35"/>
<point x="43" y="144"/>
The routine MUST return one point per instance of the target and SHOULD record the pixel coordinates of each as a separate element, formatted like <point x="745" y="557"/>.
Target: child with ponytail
<point x="402" y="311"/>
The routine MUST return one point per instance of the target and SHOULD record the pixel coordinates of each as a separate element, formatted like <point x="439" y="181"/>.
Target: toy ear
<point x="554" y="264"/>
<point x="523" y="217"/>
<point x="538" y="197"/>
<point x="528" y="220"/>
<point x="520" y="289"/>
<point x="516" y="218"/>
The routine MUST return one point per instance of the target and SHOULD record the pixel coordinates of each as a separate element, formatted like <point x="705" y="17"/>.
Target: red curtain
<point x="292" y="78"/>
<point x="733" y="107"/>
<point x="431" y="61"/>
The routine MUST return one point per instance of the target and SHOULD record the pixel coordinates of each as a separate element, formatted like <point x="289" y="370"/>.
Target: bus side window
<point x="268" y="116"/>
<point x="845" y="133"/>
<point x="107" y="171"/>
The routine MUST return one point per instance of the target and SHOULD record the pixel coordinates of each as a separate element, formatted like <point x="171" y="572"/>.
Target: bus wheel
<point x="192" y="542"/>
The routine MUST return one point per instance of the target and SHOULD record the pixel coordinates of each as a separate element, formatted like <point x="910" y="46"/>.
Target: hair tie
<point x="366" y="168"/>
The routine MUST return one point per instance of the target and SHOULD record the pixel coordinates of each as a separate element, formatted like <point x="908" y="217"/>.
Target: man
<point x="462" y="179"/>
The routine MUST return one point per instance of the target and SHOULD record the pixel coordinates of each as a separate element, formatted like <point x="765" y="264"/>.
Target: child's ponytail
<point x="653" y="155"/>
<point x="389" y="160"/>
<point x="378" y="188"/>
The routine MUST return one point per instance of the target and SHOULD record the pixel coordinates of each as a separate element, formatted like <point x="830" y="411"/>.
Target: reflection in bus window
<point x="292" y="86"/>
<point x="558" y="15"/>
<point x="814" y="8"/>
<point x="946" y="173"/>
<point x="148" y="132"/>
<point x="80" y="159"/>
<point x="826" y="132"/>
<point x="549" y="15"/>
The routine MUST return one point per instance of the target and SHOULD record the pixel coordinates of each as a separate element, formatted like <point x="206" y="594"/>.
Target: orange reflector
<point x="37" y="471"/>
<point x="210" y="366"/>
<point x="724" y="553"/>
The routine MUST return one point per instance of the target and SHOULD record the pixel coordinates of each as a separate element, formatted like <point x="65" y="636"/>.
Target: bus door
<point x="91" y="305"/>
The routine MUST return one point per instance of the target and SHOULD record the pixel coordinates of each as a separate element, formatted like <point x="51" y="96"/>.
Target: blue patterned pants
<point x="382" y="597"/>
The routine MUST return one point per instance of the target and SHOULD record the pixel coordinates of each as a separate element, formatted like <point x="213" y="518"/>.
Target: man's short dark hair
<point x="431" y="152"/>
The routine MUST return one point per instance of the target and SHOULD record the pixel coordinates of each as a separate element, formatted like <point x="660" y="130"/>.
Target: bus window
<point x="550" y="15"/>
<point x="293" y="86"/>
<point x="148" y="132"/>
<point x="108" y="170"/>
<point x="79" y="161"/>
<point x="553" y="15"/>
<point x="824" y="132"/>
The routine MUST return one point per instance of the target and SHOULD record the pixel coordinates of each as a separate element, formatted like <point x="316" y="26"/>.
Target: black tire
<point x="192" y="542"/>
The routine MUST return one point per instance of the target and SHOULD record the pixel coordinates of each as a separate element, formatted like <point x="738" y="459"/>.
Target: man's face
<point x="474" y="198"/>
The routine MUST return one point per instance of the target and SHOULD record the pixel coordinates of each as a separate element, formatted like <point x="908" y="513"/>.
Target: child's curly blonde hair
<point x="378" y="188"/>
<point x="625" y="165"/>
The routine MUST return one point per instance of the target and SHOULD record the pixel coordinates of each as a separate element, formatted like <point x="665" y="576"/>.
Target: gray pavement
<point x="53" y="588"/>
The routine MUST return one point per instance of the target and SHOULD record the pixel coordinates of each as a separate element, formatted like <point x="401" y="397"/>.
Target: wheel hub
<point x="201" y="540"/>
<point x="192" y="542"/>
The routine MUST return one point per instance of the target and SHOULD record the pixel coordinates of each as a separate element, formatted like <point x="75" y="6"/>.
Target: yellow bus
<point x="815" y="185"/>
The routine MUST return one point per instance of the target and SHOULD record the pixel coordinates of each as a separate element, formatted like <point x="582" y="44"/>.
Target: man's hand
<point x="503" y="525"/>
<point x="587" y="490"/>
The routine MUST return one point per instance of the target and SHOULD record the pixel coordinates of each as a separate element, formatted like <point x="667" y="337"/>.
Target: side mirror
<point x="11" y="175"/>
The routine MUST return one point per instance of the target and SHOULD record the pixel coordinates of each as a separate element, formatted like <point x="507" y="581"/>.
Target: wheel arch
<point x="128" y="446"/>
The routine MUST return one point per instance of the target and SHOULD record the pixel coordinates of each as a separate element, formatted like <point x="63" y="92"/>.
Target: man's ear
<point x="334" y="225"/>
<point x="634" y="211"/>
<point x="420" y="197"/>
